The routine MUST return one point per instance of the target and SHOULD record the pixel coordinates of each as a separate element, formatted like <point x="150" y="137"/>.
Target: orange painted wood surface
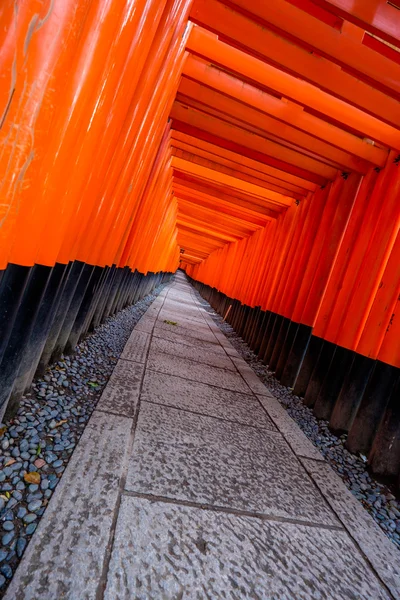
<point x="254" y="144"/>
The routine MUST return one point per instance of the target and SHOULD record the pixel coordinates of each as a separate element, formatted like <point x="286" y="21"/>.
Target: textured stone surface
<point x="174" y="336"/>
<point x="191" y="457"/>
<point x="46" y="428"/>
<point x="137" y="346"/>
<point x="381" y="553"/>
<point x="296" y="439"/>
<point x="229" y="512"/>
<point x="194" y="371"/>
<point x="204" y="399"/>
<point x="201" y="355"/>
<point x="211" y="345"/>
<point x="197" y="331"/>
<point x="254" y="383"/>
<point x="373" y="494"/>
<point x="171" y="311"/>
<point x="230" y="350"/>
<point x="145" y="324"/>
<point x="164" y="551"/>
<point x="121" y="394"/>
<point x="65" y="556"/>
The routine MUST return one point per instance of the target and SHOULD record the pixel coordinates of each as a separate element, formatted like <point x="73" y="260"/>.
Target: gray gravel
<point x="37" y="444"/>
<point x="377" y="498"/>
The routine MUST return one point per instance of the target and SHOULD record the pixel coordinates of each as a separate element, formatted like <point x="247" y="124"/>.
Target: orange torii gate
<point x="256" y="147"/>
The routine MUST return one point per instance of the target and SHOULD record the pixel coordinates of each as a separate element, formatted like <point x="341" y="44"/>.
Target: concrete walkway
<point x="192" y="482"/>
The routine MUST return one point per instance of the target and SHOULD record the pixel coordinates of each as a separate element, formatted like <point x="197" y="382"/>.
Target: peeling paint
<point x="30" y="32"/>
<point x="47" y="15"/>
<point x="11" y="92"/>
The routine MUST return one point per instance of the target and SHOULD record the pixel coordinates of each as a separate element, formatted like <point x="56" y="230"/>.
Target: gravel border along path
<point x="36" y="445"/>
<point x="374" y="496"/>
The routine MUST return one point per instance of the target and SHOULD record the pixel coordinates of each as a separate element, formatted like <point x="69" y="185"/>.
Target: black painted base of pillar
<point x="349" y="389"/>
<point x="354" y="384"/>
<point x="286" y="348"/>
<point x="372" y="407"/>
<point x="279" y="342"/>
<point x="269" y="323"/>
<point x="12" y="288"/>
<point x="261" y="332"/>
<point x="45" y="311"/>
<point x="310" y="358"/>
<point x="319" y="372"/>
<point x="40" y="329"/>
<point x="333" y="378"/>
<point x="384" y="457"/>
<point x="276" y="325"/>
<point x="26" y="314"/>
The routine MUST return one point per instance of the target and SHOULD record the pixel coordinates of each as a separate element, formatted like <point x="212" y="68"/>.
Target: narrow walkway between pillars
<point x="192" y="482"/>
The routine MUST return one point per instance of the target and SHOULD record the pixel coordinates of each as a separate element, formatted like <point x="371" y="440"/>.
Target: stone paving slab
<point x="169" y="319"/>
<point x="296" y="439"/>
<point x="228" y="348"/>
<point x="227" y="509"/>
<point x="182" y="311"/>
<point x="137" y="346"/>
<point x="189" y="553"/>
<point x="196" y="458"/>
<point x="65" y="556"/>
<point x="201" y="355"/>
<point x="145" y="324"/>
<point x="181" y="319"/>
<point x="194" y="371"/>
<point x="156" y="306"/>
<point x="180" y="294"/>
<point x="181" y="304"/>
<point x="197" y="325"/>
<point x="379" y="550"/>
<point x="204" y="399"/>
<point x="254" y="382"/>
<point x="121" y="393"/>
<point x="197" y="332"/>
<point x="173" y="336"/>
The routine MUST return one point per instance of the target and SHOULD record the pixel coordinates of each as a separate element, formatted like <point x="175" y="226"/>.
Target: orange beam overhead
<point x="219" y="225"/>
<point x="196" y="189"/>
<point x="218" y="191"/>
<point x="343" y="47"/>
<point x="283" y="111"/>
<point x="253" y="146"/>
<point x="191" y="207"/>
<point x="207" y="45"/>
<point x="224" y="207"/>
<point x="283" y="144"/>
<point x="234" y="182"/>
<point x="230" y="111"/>
<point x="206" y="229"/>
<point x="252" y="140"/>
<point x="279" y="177"/>
<point x="267" y="46"/>
<point x="194" y="241"/>
<point x="218" y="165"/>
<point x="196" y="244"/>
<point x="376" y="16"/>
<point x="193" y="253"/>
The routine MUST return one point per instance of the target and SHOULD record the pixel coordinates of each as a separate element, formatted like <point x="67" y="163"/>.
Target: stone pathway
<point x="192" y="482"/>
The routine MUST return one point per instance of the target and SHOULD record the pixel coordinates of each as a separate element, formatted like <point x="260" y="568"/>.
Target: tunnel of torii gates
<point x="254" y="144"/>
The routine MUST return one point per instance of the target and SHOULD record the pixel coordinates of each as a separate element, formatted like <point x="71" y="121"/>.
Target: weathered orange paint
<point x="283" y="111"/>
<point x="209" y="47"/>
<point x="342" y="48"/>
<point x="127" y="135"/>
